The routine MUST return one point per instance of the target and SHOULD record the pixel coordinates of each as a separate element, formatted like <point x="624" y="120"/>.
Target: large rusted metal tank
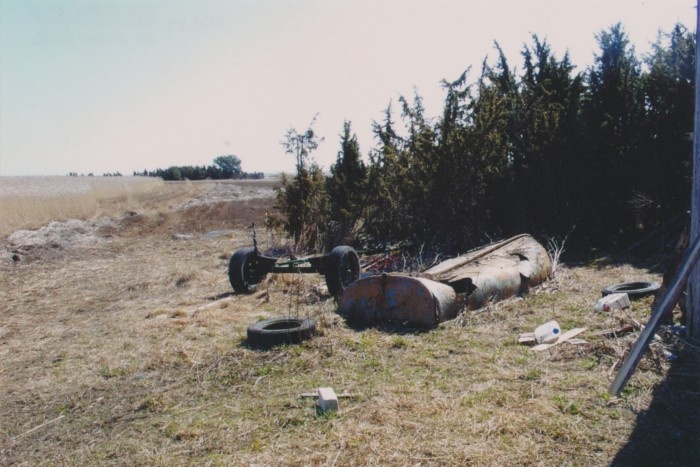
<point x="414" y="301"/>
<point x="491" y="273"/>
<point x="496" y="271"/>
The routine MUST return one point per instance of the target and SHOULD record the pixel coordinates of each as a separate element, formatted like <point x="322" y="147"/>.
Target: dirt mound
<point x="217" y="206"/>
<point x="55" y="238"/>
<point x="227" y="191"/>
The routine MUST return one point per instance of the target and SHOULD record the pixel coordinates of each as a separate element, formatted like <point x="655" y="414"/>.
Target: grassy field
<point x="130" y="349"/>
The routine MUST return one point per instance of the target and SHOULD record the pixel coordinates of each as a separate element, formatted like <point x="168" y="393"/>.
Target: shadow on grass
<point x="390" y="328"/>
<point x="651" y="251"/>
<point x="220" y="296"/>
<point x="668" y="432"/>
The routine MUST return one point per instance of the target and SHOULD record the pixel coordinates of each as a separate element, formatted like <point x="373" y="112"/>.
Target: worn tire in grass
<point x="633" y="289"/>
<point x="276" y="331"/>
<point x="342" y="269"/>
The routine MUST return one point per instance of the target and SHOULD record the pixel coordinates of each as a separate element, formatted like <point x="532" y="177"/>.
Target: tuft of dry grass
<point x="133" y="350"/>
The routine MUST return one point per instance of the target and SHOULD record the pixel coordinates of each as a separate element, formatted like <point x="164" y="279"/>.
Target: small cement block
<point x="327" y="399"/>
<point x="615" y="301"/>
<point x="527" y="338"/>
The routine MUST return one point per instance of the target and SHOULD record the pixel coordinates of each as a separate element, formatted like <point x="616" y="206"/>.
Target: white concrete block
<point x="327" y="399"/>
<point x="614" y="301"/>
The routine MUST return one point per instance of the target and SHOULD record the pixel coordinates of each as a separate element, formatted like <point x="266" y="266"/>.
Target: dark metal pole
<point x="693" y="297"/>
<point x="667" y="303"/>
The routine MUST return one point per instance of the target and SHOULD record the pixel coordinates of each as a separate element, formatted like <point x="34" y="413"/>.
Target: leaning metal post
<point x="693" y="297"/>
<point x="668" y="301"/>
<point x="255" y="240"/>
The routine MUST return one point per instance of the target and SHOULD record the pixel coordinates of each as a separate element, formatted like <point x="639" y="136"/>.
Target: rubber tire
<point x="243" y="271"/>
<point x="277" y="331"/>
<point x="342" y="269"/>
<point x="633" y="289"/>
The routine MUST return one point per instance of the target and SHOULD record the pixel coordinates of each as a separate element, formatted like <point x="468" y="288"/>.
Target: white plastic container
<point x="548" y="333"/>
<point x="614" y="301"/>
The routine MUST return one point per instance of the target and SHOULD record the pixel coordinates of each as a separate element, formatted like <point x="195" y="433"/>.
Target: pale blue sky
<point x="122" y="85"/>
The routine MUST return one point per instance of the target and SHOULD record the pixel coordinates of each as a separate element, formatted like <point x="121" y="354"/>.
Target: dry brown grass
<point x="131" y="350"/>
<point x="29" y="202"/>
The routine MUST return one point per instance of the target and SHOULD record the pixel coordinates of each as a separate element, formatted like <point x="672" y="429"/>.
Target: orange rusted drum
<point x="414" y="301"/>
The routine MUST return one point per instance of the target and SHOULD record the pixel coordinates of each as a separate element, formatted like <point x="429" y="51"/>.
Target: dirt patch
<point x="55" y="239"/>
<point x="217" y="208"/>
<point x="229" y="190"/>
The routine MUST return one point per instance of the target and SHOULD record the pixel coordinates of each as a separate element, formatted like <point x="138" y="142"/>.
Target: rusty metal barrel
<point x="413" y="301"/>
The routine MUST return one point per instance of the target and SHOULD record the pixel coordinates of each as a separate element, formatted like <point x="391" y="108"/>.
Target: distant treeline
<point x="188" y="172"/>
<point x="224" y="167"/>
<point x="542" y="149"/>
<point x="106" y="174"/>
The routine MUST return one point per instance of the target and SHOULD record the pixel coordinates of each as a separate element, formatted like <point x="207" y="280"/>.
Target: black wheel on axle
<point x="244" y="270"/>
<point x="342" y="269"/>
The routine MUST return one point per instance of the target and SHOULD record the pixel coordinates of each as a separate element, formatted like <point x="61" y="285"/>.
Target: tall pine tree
<point x="614" y="109"/>
<point x="347" y="191"/>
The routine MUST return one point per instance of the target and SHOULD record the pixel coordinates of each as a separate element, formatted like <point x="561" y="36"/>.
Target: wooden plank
<point x="563" y="338"/>
<point x="455" y="263"/>
<point x="527" y="338"/>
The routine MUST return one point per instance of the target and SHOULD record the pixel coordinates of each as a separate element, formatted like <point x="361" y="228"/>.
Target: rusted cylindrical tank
<point x="413" y="301"/>
<point x="490" y="273"/>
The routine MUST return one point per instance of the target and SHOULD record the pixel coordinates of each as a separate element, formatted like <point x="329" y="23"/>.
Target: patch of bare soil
<point x="219" y="205"/>
<point x="55" y="239"/>
<point x="121" y="342"/>
<point x="234" y="190"/>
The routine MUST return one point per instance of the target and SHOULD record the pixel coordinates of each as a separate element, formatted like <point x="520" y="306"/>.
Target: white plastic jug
<point x="547" y="333"/>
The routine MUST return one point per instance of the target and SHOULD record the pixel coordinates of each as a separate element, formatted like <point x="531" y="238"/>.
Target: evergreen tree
<point x="416" y="175"/>
<point x="546" y="140"/>
<point x="450" y="190"/>
<point x="386" y="220"/>
<point x="614" y="109"/>
<point x="491" y="153"/>
<point x="606" y="150"/>
<point x="347" y="196"/>
<point x="303" y="201"/>
<point x="662" y="190"/>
